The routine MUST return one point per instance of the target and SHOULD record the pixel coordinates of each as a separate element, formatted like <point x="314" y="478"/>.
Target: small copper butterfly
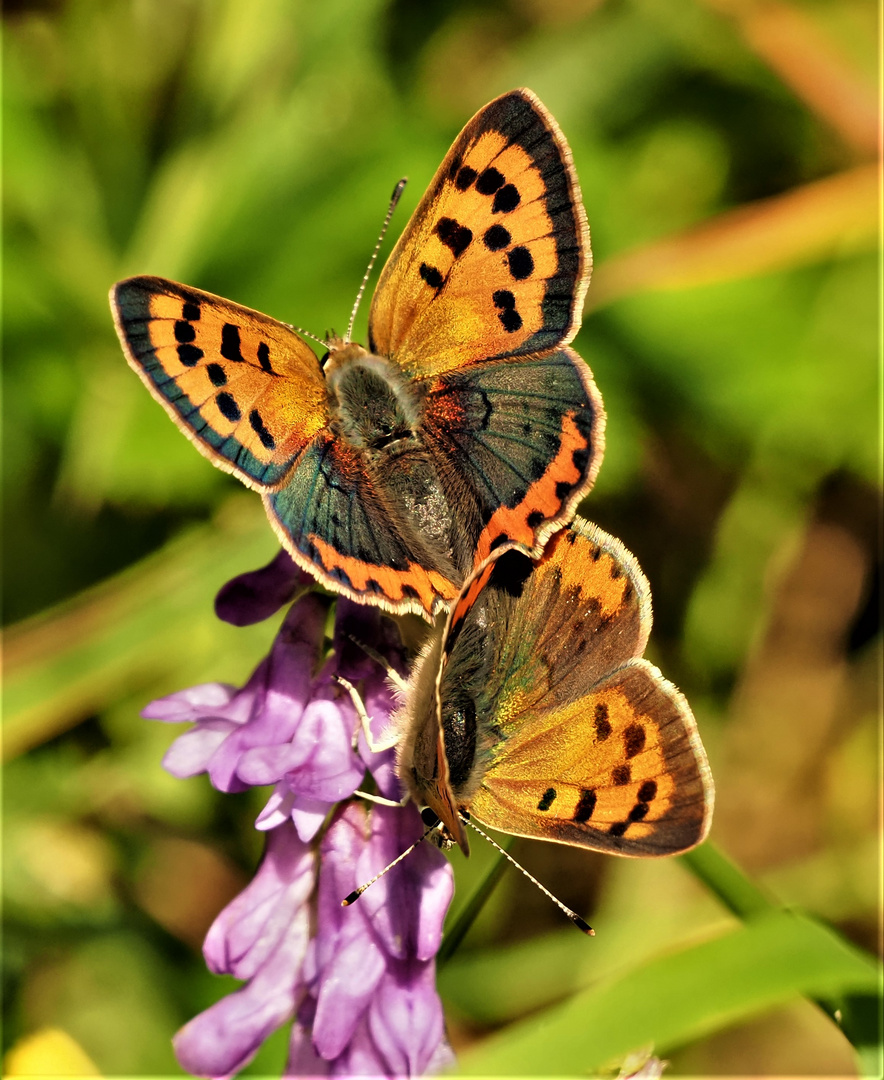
<point x="468" y="423"/>
<point x="534" y="711"/>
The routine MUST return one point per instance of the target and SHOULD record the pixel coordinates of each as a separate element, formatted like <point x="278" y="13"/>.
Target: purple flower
<point x="256" y="595"/>
<point x="358" y="982"/>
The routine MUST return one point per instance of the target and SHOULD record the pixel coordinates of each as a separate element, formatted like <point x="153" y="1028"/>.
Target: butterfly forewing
<point x="244" y="387"/>
<point x="620" y="770"/>
<point x="495" y="261"/>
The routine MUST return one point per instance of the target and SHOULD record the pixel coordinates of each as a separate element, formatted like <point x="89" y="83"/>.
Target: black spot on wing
<point x="263" y="434"/>
<point x="217" y="374"/>
<point x="648" y="791"/>
<point x="431" y="276"/>
<point x="456" y="237"/>
<point x="601" y="722"/>
<point x="489" y="181"/>
<point x="231" y="348"/>
<point x="547" y="799"/>
<point x="634" y="739"/>
<point x="585" y="807"/>
<point x="228" y="407"/>
<point x="264" y="357"/>
<point x="184" y="332"/>
<point x="465" y="178"/>
<point x="509" y="317"/>
<point x="496" y="238"/>
<point x="189" y="355"/>
<point x="506" y="200"/>
<point x="621" y="775"/>
<point x="521" y="263"/>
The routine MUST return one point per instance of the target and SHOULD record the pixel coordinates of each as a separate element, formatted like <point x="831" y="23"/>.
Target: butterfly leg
<point x="392" y="674"/>
<point x="379" y="799"/>
<point x="374" y="745"/>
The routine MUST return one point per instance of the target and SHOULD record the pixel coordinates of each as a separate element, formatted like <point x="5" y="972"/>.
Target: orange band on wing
<point x="511" y="523"/>
<point x="465" y="601"/>
<point x="426" y="586"/>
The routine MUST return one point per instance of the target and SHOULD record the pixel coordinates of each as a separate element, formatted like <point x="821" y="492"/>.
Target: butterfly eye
<point x="459" y="733"/>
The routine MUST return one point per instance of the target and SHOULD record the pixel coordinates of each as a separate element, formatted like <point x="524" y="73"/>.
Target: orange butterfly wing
<point x="243" y="387"/>
<point x="496" y="259"/>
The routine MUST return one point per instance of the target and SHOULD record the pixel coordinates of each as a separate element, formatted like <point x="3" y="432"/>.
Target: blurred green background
<point x="726" y="151"/>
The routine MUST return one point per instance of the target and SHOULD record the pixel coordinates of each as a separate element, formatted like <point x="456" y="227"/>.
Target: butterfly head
<point x="340" y="353"/>
<point x="437" y="801"/>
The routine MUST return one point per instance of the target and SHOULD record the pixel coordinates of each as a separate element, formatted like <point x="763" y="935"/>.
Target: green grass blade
<point x="681" y="996"/>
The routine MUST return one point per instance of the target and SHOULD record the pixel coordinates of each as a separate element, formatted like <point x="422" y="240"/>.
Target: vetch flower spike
<point x="359" y="983"/>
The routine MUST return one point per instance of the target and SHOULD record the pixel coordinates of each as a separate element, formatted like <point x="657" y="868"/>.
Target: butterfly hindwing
<point x="244" y="387"/>
<point x="496" y="259"/>
<point x="624" y="771"/>
<point x="576" y="738"/>
<point x="521" y="438"/>
<point x="336" y="515"/>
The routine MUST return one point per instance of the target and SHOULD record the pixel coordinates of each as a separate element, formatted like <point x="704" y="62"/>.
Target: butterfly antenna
<point x="572" y="915"/>
<point x="394" y="200"/>
<point x="354" y="896"/>
<point x="306" y="333"/>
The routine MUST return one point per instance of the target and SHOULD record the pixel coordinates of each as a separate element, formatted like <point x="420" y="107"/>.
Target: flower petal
<point x="191" y="704"/>
<point x="256" y="595"/>
<point x="250" y="928"/>
<point x="308" y="816"/>
<point x="361" y="1058"/>
<point x="407" y="906"/>
<point x="224" y="1038"/>
<point x="303" y="1061"/>
<point x="277" y="810"/>
<point x="345" y="990"/>
<point x="405" y="1018"/>
<point x="192" y="752"/>
<point x="349" y="961"/>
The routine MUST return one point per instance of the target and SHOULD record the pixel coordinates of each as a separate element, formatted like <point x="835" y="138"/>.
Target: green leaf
<point x="681" y="996"/>
<point x="139" y="628"/>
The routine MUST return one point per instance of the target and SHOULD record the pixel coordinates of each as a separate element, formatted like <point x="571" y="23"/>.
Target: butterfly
<point x="534" y="711"/>
<point x="467" y="423"/>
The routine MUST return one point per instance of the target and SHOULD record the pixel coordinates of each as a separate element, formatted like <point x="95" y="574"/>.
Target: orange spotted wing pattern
<point x="469" y="423"/>
<point x="495" y="262"/>
<point x="545" y="721"/>
<point x="244" y="388"/>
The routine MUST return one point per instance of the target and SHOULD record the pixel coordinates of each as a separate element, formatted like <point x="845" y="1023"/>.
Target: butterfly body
<point x="467" y="423"/>
<point x="534" y="711"/>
